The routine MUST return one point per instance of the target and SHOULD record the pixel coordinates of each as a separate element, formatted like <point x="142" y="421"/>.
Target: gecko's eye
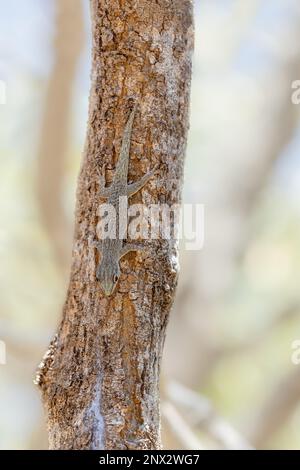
<point x="116" y="278"/>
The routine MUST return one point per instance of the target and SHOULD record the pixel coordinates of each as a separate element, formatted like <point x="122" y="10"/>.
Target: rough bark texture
<point x="100" y="377"/>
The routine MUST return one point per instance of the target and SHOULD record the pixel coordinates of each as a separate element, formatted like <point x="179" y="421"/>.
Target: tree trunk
<point x="100" y="376"/>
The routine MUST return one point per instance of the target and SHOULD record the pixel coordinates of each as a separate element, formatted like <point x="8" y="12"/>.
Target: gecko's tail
<point x="128" y="127"/>
<point x="122" y="164"/>
<point x="132" y="115"/>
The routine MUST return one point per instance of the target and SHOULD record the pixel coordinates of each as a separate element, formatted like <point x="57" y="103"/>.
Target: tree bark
<point x="100" y="376"/>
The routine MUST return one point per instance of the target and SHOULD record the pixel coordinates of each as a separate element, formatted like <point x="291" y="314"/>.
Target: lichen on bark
<point x="100" y="381"/>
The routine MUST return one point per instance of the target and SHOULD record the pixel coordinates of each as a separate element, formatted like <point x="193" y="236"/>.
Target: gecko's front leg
<point x="129" y="247"/>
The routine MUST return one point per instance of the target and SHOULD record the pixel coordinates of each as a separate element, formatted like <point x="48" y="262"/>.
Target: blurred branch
<point x="286" y="314"/>
<point x="276" y="410"/>
<point x="201" y="415"/>
<point x="54" y="135"/>
<point x="179" y="428"/>
<point x="231" y="196"/>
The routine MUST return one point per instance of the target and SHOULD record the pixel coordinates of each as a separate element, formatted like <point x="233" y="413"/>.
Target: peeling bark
<point x="100" y="376"/>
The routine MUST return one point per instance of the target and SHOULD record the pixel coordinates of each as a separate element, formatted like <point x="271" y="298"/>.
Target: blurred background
<point x="228" y="379"/>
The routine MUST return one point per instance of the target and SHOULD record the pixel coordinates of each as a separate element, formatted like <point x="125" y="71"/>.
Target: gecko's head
<point x="108" y="274"/>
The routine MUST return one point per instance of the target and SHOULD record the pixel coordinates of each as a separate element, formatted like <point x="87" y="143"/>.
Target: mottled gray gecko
<point x="112" y="250"/>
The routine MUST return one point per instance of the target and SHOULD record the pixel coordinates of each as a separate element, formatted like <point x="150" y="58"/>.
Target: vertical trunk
<point x="100" y="376"/>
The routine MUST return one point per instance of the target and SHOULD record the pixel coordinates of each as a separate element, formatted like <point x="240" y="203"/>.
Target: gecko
<point x="112" y="250"/>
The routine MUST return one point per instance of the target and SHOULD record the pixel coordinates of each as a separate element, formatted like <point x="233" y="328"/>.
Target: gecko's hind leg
<point x="135" y="187"/>
<point x="104" y="192"/>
